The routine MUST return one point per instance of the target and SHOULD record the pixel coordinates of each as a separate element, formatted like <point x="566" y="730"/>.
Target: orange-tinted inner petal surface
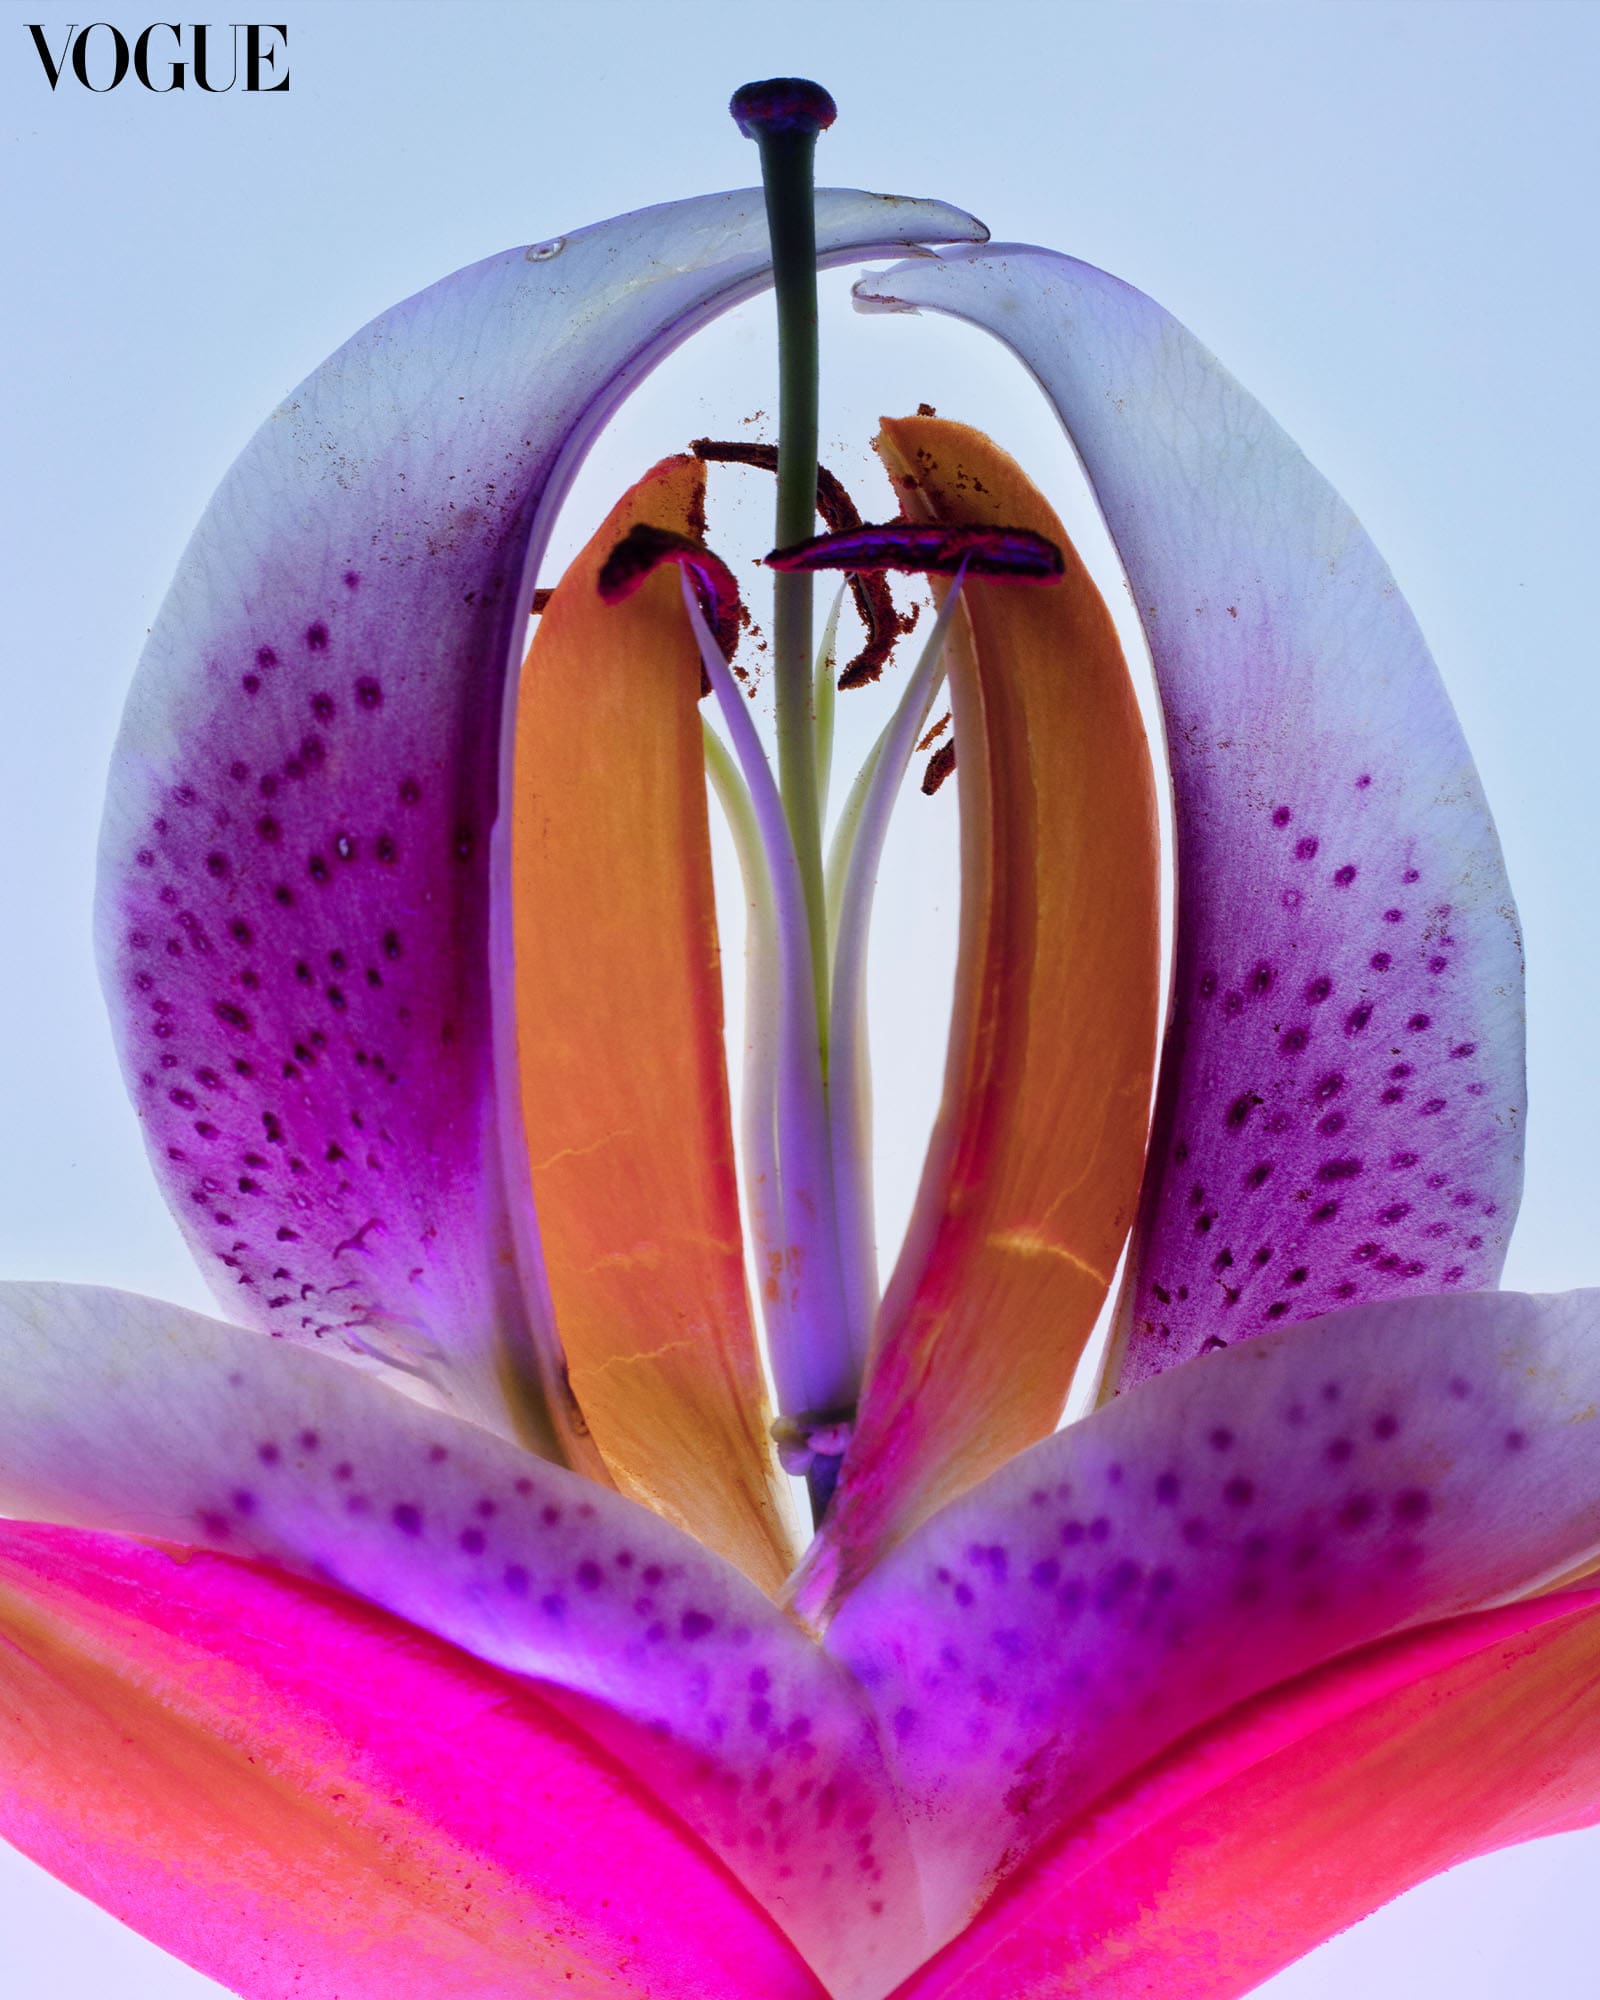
<point x="620" y="1047"/>
<point x="1034" y="1168"/>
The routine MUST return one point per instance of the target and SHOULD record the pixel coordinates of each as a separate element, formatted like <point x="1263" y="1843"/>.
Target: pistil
<point x="783" y="116"/>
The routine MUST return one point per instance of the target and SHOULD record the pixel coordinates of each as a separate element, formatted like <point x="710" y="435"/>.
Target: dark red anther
<point x="782" y="104"/>
<point x="871" y="593"/>
<point x="940" y="765"/>
<point x="644" y="549"/>
<point x="929" y="548"/>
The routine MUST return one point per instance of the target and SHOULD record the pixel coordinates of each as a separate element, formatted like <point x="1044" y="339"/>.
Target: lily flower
<point x="434" y="1621"/>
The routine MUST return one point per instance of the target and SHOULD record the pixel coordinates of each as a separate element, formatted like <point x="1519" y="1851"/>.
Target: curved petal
<point x="247" y="1770"/>
<point x="296" y="860"/>
<point x="1033" y="1174"/>
<point x="1302" y="1813"/>
<point x="1339" y="1114"/>
<point x="620" y="1053"/>
<point x="1216" y="1531"/>
<point x="122" y="1413"/>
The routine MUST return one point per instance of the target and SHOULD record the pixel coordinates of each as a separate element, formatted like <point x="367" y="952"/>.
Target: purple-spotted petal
<point x="122" y="1413"/>
<point x="1341" y="1094"/>
<point x="1208" y="1535"/>
<point x="1300" y="1812"/>
<point x="297" y="862"/>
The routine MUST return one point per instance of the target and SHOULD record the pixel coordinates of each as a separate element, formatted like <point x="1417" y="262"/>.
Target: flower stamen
<point x="644" y="549"/>
<point x="927" y="548"/>
<point x="873" y="603"/>
<point x="816" y="1353"/>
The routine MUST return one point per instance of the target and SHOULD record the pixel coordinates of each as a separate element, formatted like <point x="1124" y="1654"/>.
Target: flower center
<point x="806" y="1111"/>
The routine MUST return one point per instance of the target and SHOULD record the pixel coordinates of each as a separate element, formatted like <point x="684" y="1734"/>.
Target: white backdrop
<point x="1378" y="214"/>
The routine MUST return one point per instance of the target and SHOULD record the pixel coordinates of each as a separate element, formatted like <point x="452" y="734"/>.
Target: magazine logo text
<point x="166" y="56"/>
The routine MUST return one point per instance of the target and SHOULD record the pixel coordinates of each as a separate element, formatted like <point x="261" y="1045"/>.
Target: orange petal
<point x="300" y="1795"/>
<point x="619" y="1042"/>
<point x="1301" y="1813"/>
<point x="1034" y="1168"/>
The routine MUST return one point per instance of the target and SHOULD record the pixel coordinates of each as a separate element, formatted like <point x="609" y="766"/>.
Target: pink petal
<point x="296" y="860"/>
<point x="125" y="1414"/>
<point x="1301" y="1813"/>
<point x="297" y="1794"/>
<point x="1339" y="1113"/>
<point x="1216" y="1531"/>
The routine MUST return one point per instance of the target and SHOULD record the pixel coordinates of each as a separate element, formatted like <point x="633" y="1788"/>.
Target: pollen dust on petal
<point x="579" y="1152"/>
<point x="647" y="1256"/>
<point x="619" y="1362"/>
<point x="1029" y="1243"/>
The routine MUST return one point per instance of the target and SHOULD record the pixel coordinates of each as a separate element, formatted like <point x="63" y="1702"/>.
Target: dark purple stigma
<point x="642" y="551"/>
<point x="929" y="548"/>
<point x="782" y="104"/>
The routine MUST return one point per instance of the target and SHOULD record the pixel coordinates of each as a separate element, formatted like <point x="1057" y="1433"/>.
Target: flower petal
<point x="620" y="1050"/>
<point x="246" y="1769"/>
<point x="1303" y="1812"/>
<point x="1220" y="1529"/>
<point x="127" y="1414"/>
<point x="1033" y="1174"/>
<point x="297" y="856"/>
<point x="1342" y="1087"/>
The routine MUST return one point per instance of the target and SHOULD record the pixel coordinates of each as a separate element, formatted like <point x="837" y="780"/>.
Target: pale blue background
<point x="1380" y="215"/>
